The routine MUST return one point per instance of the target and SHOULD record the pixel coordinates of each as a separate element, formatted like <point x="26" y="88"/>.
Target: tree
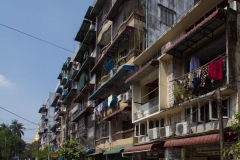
<point x="17" y="128"/>
<point x="31" y="150"/>
<point x="234" y="149"/>
<point x="10" y="144"/>
<point x="70" y="151"/>
<point x="3" y="126"/>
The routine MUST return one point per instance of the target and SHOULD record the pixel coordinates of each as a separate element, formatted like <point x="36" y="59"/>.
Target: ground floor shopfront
<point x="204" y="147"/>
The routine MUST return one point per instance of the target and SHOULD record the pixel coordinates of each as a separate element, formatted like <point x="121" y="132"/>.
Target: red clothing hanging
<point x="215" y="70"/>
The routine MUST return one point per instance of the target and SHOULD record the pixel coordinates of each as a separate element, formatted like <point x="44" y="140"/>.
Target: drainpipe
<point x="146" y="27"/>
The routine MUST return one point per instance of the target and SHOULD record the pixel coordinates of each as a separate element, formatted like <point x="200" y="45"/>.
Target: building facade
<point x="147" y="80"/>
<point x="46" y="122"/>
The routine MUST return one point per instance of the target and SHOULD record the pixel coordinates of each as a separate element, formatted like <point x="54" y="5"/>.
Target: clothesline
<point x="200" y="67"/>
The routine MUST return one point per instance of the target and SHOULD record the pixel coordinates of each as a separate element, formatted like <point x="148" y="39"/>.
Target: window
<point x="150" y="124"/>
<point x="162" y="122"/>
<point x="191" y="114"/>
<point x="157" y="123"/>
<point x="166" y="15"/>
<point x="142" y="129"/>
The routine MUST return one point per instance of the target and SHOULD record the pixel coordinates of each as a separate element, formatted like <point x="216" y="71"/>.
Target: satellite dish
<point x="114" y="102"/>
<point x="110" y="65"/>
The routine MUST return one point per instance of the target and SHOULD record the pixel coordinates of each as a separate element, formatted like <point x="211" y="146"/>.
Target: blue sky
<point x="28" y="67"/>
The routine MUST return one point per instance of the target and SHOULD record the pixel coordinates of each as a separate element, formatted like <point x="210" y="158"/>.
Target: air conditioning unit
<point x="139" y="114"/>
<point x="153" y="133"/>
<point x="127" y="96"/>
<point x="119" y="97"/>
<point x="164" y="131"/>
<point x="182" y="128"/>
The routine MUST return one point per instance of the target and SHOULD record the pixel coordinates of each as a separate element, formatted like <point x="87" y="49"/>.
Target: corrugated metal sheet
<point x="192" y="141"/>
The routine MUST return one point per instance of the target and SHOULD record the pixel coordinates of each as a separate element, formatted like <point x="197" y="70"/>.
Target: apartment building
<point x="174" y="92"/>
<point x="143" y="82"/>
<point x="46" y="122"/>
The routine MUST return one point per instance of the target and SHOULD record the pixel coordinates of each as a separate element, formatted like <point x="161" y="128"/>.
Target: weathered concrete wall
<point x="155" y="27"/>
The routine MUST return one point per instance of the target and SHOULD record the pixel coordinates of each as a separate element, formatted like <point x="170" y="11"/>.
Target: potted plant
<point x="179" y="93"/>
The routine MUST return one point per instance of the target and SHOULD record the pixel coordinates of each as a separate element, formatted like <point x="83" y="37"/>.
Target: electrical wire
<point x="36" y="38"/>
<point x="19" y="116"/>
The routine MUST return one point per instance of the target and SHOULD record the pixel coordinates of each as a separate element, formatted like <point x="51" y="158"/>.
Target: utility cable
<point x="19" y="116"/>
<point x="36" y="38"/>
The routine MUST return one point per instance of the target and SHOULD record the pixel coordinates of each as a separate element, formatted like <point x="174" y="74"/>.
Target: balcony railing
<point x="119" y="136"/>
<point x="125" y="57"/>
<point x="152" y="107"/>
<point x="80" y="109"/>
<point x="193" y="88"/>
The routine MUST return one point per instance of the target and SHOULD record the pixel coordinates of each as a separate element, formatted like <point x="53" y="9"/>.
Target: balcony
<point x="83" y="92"/>
<point x="64" y="95"/>
<point x="83" y="109"/>
<point x="147" y="109"/>
<point x="88" y="14"/>
<point x="74" y="70"/>
<point x="83" y="30"/>
<point x="90" y="35"/>
<point x="87" y="64"/>
<point x="68" y="84"/>
<point x="65" y="66"/>
<point x="70" y="94"/>
<point x="114" y="10"/>
<point x="124" y="33"/>
<point x="97" y="7"/>
<point x="125" y="138"/>
<point x="109" y="81"/>
<point x="63" y="81"/>
<point x="125" y="57"/>
<point x="104" y="36"/>
<point x="60" y="76"/>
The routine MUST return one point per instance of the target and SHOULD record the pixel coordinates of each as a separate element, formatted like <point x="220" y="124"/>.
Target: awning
<point x="203" y="29"/>
<point x="89" y="151"/>
<point x="115" y="151"/>
<point x="65" y="65"/>
<point x="88" y="13"/>
<point x="63" y="81"/>
<point x="112" y="47"/>
<point x="192" y="141"/>
<point x="59" y="76"/>
<point x="116" y="80"/>
<point x="87" y="63"/>
<point x="114" y="10"/>
<point x="70" y="95"/>
<point x="143" y="148"/>
<point x="83" y="92"/>
<point x="68" y="84"/>
<point x="143" y="72"/>
<point x="108" y="118"/>
<point x="94" y="154"/>
<point x="83" y="30"/>
<point x="97" y="7"/>
<point x="86" y="42"/>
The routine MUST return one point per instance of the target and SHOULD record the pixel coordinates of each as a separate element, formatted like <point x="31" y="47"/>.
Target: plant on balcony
<point x="190" y="93"/>
<point x="70" y="150"/>
<point x="234" y="149"/>
<point x="179" y="93"/>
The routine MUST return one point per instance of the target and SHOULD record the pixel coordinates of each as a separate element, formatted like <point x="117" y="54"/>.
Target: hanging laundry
<point x="215" y="70"/>
<point x="194" y="64"/>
